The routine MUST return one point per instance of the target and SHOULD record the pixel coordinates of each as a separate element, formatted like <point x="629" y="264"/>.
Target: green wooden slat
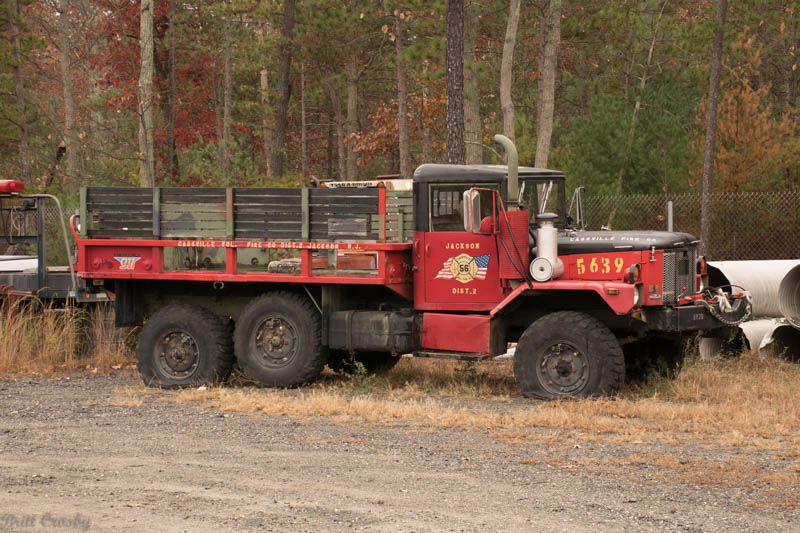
<point x="199" y="225"/>
<point x="193" y="234"/>
<point x="229" y="212"/>
<point x="211" y="217"/>
<point x="399" y="201"/>
<point x="304" y="228"/>
<point x="84" y="214"/>
<point x="156" y="212"/>
<point x="171" y="207"/>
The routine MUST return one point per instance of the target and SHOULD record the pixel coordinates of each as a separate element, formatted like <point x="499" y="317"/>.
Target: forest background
<point x="266" y="93"/>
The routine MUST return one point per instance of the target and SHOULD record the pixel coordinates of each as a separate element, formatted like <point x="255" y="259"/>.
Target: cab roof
<point x="440" y="173"/>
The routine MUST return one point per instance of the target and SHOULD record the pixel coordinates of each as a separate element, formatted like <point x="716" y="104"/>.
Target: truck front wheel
<point x="278" y="340"/>
<point x="184" y="345"/>
<point x="568" y="354"/>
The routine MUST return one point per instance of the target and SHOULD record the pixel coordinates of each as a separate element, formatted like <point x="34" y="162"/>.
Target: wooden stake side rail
<point x="261" y="214"/>
<point x="339" y="236"/>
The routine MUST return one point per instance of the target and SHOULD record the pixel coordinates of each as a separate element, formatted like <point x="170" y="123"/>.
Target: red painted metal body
<point x="449" y="276"/>
<point x="457" y="333"/>
<point x="144" y="259"/>
<point x="513" y="232"/>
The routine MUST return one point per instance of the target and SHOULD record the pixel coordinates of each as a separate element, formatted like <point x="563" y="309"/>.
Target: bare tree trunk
<point x="329" y="147"/>
<point x="282" y="109"/>
<point x="634" y="116"/>
<point x="97" y="121"/>
<point x="145" y="111"/>
<point x="402" y="102"/>
<point x="351" y="122"/>
<point x="339" y="121"/>
<point x="19" y="88"/>
<point x="216" y="87"/>
<point x="427" y="152"/>
<point x="227" y="104"/>
<point x="472" y="116"/>
<point x="548" y="63"/>
<point x="172" y="159"/>
<point x="711" y="127"/>
<point x="507" y="72"/>
<point x="626" y="87"/>
<point x="303" y="133"/>
<point x="454" y="22"/>
<point x="70" y="135"/>
<point x="265" y="127"/>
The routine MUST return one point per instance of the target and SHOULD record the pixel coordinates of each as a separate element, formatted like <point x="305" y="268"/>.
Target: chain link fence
<point x="747" y="225"/>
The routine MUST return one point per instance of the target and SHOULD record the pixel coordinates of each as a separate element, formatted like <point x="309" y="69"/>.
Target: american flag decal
<point x="465" y="268"/>
<point x="483" y="264"/>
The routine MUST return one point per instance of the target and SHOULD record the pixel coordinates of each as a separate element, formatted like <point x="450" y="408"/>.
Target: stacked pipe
<point x="775" y="290"/>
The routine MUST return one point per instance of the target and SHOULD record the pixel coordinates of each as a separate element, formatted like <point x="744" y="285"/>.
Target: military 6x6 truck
<point x="456" y="263"/>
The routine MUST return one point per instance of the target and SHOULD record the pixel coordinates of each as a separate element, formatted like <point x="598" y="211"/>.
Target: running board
<point x="457" y="356"/>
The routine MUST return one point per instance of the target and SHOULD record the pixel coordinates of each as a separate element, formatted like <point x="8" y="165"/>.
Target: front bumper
<point x="696" y="317"/>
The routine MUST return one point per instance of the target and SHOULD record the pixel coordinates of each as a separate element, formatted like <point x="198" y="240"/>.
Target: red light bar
<point x="9" y="186"/>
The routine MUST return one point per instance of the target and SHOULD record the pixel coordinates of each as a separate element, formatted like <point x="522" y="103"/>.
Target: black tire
<point x="184" y="345"/>
<point x="568" y="355"/>
<point x="293" y="355"/>
<point x="343" y="363"/>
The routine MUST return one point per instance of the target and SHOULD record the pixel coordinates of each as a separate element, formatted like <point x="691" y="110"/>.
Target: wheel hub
<point x="178" y="353"/>
<point x="564" y="369"/>
<point x="276" y="340"/>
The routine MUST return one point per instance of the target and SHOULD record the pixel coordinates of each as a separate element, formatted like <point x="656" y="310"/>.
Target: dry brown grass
<point x="41" y="339"/>
<point x="745" y="402"/>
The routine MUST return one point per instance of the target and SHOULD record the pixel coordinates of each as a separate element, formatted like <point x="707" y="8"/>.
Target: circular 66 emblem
<point x="463" y="268"/>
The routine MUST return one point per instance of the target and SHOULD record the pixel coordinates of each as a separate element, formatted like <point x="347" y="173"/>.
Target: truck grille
<point x="679" y="272"/>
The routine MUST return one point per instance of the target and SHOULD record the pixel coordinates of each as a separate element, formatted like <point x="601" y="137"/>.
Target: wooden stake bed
<point x="352" y="235"/>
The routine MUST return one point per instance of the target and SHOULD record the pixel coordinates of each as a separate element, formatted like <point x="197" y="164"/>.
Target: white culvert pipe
<point x="782" y="341"/>
<point x="754" y="332"/>
<point x="747" y="336"/>
<point x="761" y="278"/>
<point x="789" y="296"/>
<point x="710" y="346"/>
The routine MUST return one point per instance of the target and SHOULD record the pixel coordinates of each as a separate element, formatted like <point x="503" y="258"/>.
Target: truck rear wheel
<point x="184" y="345"/>
<point x="568" y="354"/>
<point x="278" y="340"/>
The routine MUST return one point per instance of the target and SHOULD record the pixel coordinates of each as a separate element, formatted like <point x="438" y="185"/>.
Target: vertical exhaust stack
<point x="513" y="223"/>
<point x="513" y="171"/>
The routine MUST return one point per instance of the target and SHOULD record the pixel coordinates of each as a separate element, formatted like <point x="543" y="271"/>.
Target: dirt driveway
<point x="74" y="457"/>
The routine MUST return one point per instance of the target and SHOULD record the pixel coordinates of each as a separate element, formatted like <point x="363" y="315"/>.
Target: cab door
<point x="459" y="269"/>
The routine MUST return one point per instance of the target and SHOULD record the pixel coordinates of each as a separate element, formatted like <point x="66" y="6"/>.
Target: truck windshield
<point x="543" y="196"/>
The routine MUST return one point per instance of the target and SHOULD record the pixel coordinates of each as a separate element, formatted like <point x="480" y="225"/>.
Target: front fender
<point x="619" y="296"/>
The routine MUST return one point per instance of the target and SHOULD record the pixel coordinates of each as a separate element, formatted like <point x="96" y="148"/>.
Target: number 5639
<point x="601" y="265"/>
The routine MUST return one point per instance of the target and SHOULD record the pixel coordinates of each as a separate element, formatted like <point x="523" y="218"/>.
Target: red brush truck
<point x="285" y="281"/>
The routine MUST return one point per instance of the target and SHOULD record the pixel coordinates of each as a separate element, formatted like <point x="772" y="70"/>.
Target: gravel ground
<point x="72" y="461"/>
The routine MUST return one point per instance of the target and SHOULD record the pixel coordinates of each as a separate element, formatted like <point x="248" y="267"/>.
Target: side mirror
<point x="472" y="211"/>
